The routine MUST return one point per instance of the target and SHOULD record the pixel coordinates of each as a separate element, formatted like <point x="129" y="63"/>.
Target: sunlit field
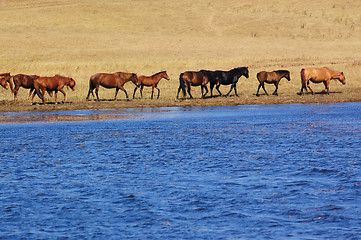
<point x="80" y="38"/>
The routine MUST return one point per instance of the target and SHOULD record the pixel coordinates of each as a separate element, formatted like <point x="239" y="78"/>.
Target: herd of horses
<point x="39" y="85"/>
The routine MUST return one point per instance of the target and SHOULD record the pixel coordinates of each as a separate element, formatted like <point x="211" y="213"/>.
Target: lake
<point x="240" y="172"/>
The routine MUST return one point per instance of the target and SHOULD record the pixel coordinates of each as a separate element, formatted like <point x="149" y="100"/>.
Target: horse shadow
<point x="317" y="93"/>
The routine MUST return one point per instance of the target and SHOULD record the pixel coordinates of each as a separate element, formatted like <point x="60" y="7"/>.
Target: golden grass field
<point x="80" y="38"/>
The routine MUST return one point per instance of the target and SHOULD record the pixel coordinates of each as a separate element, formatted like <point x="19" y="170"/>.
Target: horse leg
<point x="90" y="91"/>
<point x="235" y="89"/>
<point x="141" y="92"/>
<point x="275" y="92"/>
<point x="189" y="90"/>
<point x="55" y="96"/>
<point x="123" y="89"/>
<point x="30" y="91"/>
<point x="62" y="91"/>
<point x="135" y="89"/>
<point x="264" y="89"/>
<point x="211" y="86"/>
<point x="16" y="89"/>
<point x="259" y="86"/>
<point x="32" y="99"/>
<point x="158" y="92"/>
<point x="308" y="85"/>
<point x="179" y="89"/>
<point x="217" y="87"/>
<point x="230" y="90"/>
<point x="43" y="97"/>
<point x="206" y="88"/>
<point x="116" y="93"/>
<point x="327" y="86"/>
<point x="96" y="92"/>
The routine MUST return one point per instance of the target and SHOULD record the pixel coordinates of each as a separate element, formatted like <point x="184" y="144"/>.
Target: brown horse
<point x="111" y="80"/>
<point x="55" y="83"/>
<point x="5" y="80"/>
<point x="271" y="77"/>
<point x="25" y="81"/>
<point x="190" y="78"/>
<point x="318" y="75"/>
<point x="150" y="81"/>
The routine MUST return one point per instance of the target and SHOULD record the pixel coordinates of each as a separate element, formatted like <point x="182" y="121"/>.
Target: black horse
<point x="218" y="78"/>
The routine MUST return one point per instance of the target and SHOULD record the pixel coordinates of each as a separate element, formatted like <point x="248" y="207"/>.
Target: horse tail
<point x="11" y="84"/>
<point x="37" y="89"/>
<point x="303" y="78"/>
<point x="182" y="85"/>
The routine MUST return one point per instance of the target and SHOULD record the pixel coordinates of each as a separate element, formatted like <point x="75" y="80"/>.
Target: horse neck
<point x="335" y="74"/>
<point x="159" y="76"/>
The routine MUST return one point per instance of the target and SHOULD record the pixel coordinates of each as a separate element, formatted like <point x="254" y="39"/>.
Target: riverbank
<point x="21" y="112"/>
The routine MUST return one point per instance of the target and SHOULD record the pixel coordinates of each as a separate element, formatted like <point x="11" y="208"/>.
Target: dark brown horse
<point x="190" y="78"/>
<point x="271" y="77"/>
<point x="55" y="83"/>
<point x="25" y="81"/>
<point x="150" y="81"/>
<point x="318" y="75"/>
<point x="111" y="80"/>
<point x="5" y="80"/>
<point x="231" y="77"/>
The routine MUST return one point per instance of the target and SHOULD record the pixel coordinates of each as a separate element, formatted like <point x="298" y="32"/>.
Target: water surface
<point x="241" y="172"/>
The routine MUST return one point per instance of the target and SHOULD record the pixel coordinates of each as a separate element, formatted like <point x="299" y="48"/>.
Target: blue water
<point x="263" y="172"/>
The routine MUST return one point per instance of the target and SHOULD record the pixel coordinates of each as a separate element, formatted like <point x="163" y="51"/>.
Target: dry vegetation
<point x="80" y="38"/>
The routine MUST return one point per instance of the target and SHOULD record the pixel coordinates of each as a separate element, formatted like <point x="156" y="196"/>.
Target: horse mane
<point x="283" y="71"/>
<point x="158" y="73"/>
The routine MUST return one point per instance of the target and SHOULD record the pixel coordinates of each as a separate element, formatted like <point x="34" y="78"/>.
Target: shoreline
<point x="27" y="113"/>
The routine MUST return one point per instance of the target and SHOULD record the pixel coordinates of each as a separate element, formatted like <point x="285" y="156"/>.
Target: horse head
<point x="245" y="72"/>
<point x="71" y="84"/>
<point x="342" y="78"/>
<point x="165" y="75"/>
<point x="134" y="79"/>
<point x="4" y="83"/>
<point x="287" y="75"/>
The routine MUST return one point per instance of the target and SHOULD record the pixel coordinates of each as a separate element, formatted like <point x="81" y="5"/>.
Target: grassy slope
<point x="80" y="38"/>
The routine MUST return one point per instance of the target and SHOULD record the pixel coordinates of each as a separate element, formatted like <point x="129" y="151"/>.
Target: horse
<point x="5" y="80"/>
<point x="55" y="83"/>
<point x="25" y="81"/>
<point x="111" y="80"/>
<point x="271" y="77"/>
<point x="318" y="75"/>
<point x="217" y="78"/>
<point x="192" y="78"/>
<point x="150" y="81"/>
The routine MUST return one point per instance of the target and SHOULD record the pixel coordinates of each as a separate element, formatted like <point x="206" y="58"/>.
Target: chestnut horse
<point x="25" y="81"/>
<point x="150" y="81"/>
<point x="5" y="80"/>
<point x="191" y="78"/>
<point x="271" y="77"/>
<point x="55" y="83"/>
<point x="111" y="80"/>
<point x="318" y="75"/>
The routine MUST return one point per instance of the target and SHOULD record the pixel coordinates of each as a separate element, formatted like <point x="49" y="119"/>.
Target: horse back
<point x="195" y="78"/>
<point x="262" y="76"/>
<point x="26" y="81"/>
<point x="317" y="74"/>
<point x="147" y="80"/>
<point x="107" y="80"/>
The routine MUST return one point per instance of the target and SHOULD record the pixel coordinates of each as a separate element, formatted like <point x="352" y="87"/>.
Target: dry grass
<point x="80" y="38"/>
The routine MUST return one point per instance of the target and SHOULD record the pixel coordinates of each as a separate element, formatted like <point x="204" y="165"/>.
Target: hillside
<point x="84" y="37"/>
